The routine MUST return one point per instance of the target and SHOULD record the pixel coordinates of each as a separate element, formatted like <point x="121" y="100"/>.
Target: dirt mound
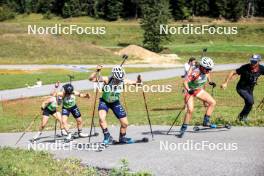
<point x="142" y="55"/>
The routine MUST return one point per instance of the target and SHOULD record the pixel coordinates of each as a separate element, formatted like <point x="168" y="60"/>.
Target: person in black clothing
<point x="249" y="74"/>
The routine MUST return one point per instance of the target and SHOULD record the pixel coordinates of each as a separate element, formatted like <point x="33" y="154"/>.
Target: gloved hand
<point x="42" y="109"/>
<point x="191" y="91"/>
<point x="212" y="84"/>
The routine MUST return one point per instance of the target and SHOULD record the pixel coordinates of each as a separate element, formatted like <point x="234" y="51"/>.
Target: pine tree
<point x="259" y="8"/>
<point x="130" y="9"/>
<point x="71" y="8"/>
<point x="220" y="8"/>
<point x="154" y="14"/>
<point x="234" y="9"/>
<point x="113" y="9"/>
<point x="201" y="7"/>
<point x="91" y="8"/>
<point x="179" y="9"/>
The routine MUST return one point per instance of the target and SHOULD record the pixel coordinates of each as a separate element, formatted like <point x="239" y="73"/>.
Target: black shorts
<point x="47" y="112"/>
<point x="73" y="110"/>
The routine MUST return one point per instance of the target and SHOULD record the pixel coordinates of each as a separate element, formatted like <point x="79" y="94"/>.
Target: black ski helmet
<point x="68" y="88"/>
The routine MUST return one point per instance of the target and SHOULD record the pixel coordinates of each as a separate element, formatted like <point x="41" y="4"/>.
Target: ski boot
<point x="108" y="139"/>
<point x="207" y="123"/>
<point x="64" y="133"/>
<point x="182" y="130"/>
<point x="125" y="140"/>
<point x="68" y="138"/>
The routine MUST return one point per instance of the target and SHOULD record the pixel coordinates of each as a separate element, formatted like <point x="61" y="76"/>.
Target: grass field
<point x="23" y="162"/>
<point x="18" y="78"/>
<point x="16" y="114"/>
<point x="17" y="47"/>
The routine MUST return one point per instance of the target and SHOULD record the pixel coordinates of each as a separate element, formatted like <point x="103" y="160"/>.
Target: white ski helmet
<point x="118" y="72"/>
<point x="207" y="63"/>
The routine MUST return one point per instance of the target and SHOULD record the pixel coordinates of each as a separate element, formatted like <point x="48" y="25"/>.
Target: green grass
<point x="34" y="163"/>
<point x="17" y="47"/>
<point x="17" y="79"/>
<point x="23" y="162"/>
<point x="15" y="115"/>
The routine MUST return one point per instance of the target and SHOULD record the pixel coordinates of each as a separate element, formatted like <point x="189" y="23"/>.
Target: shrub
<point x="6" y="13"/>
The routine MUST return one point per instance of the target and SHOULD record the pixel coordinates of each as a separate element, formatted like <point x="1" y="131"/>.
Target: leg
<point x="120" y="113"/>
<point x="103" y="109"/>
<point x="209" y="100"/>
<point x="79" y="122"/>
<point x="43" y="123"/>
<point x="42" y="126"/>
<point x="247" y="95"/>
<point x="189" y="102"/>
<point x="64" y="121"/>
<point x="188" y="99"/>
<point x="58" y="117"/>
<point x="124" y="125"/>
<point x="78" y="117"/>
<point x="102" y="119"/>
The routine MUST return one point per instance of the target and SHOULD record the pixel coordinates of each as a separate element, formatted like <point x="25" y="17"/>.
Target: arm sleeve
<point x="240" y="70"/>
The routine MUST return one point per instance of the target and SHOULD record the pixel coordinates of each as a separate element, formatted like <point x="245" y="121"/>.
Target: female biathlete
<point x="113" y="86"/>
<point x="49" y="107"/>
<point x="69" y="106"/>
<point x="193" y="84"/>
<point x="249" y="74"/>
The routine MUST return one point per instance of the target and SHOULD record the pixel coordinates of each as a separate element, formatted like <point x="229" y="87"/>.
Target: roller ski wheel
<point x="196" y="129"/>
<point x="228" y="126"/>
<point x="67" y="140"/>
<point x="143" y="140"/>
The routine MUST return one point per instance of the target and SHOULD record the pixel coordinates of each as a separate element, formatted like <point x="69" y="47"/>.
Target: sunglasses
<point x="253" y="62"/>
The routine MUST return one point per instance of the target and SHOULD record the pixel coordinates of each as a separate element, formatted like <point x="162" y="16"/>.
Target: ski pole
<point x="125" y="57"/>
<point x="204" y="51"/>
<point x="94" y="106"/>
<point x="30" y="125"/>
<point x="71" y="77"/>
<point x="55" y="130"/>
<point x="178" y="115"/>
<point x="147" y="111"/>
<point x="146" y="106"/>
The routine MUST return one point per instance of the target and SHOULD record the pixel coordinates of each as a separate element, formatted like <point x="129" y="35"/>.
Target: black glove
<point x="212" y="84"/>
<point x="42" y="109"/>
<point x="191" y="91"/>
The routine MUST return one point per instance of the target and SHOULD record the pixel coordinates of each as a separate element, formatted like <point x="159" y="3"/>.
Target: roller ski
<point x="125" y="141"/>
<point x="78" y="135"/>
<point x="212" y="126"/>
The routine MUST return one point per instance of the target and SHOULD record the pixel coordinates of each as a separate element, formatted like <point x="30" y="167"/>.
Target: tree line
<point x="112" y="10"/>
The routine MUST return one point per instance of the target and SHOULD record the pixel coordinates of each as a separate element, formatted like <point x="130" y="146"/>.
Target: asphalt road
<point x="243" y="154"/>
<point x="86" y="85"/>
